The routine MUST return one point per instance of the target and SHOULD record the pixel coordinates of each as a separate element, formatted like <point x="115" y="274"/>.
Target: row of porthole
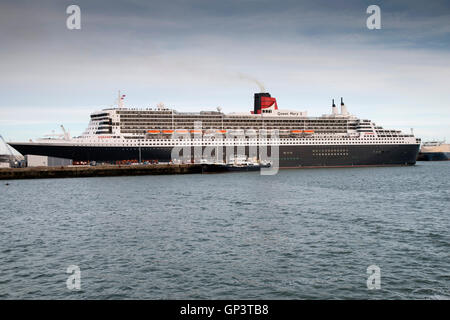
<point x="330" y="154"/>
<point x="282" y="141"/>
<point x="251" y="141"/>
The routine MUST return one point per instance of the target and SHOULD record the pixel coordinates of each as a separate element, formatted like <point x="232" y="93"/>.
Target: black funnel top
<point x="257" y="105"/>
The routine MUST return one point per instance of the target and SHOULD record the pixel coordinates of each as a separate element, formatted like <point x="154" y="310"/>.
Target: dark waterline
<point x="301" y="234"/>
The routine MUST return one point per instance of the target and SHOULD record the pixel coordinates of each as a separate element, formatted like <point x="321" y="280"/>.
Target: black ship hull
<point x="433" y="156"/>
<point x="291" y="156"/>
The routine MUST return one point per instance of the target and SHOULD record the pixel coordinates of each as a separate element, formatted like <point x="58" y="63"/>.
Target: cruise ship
<point x="338" y="139"/>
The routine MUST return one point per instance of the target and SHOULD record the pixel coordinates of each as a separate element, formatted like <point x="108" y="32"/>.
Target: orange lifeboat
<point x="221" y="131"/>
<point x="296" y="131"/>
<point x="167" y="131"/>
<point x="153" y="131"/>
<point x="309" y="131"/>
<point x="196" y="131"/>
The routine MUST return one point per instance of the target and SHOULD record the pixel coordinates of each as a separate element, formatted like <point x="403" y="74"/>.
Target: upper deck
<point x="162" y="122"/>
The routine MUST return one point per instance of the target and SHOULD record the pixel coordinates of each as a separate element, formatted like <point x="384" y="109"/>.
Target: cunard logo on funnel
<point x="230" y="150"/>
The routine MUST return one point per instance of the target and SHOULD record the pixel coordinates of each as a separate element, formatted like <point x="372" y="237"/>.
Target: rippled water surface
<point x="301" y="234"/>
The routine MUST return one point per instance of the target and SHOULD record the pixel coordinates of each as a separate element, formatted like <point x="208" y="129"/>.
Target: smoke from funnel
<point x="248" y="78"/>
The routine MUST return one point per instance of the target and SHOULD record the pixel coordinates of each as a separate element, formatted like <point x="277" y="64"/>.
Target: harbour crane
<point x="66" y="133"/>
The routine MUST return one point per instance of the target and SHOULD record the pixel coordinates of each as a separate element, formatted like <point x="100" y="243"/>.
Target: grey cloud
<point x="313" y="49"/>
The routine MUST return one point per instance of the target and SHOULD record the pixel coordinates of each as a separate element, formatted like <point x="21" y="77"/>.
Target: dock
<point x="100" y="171"/>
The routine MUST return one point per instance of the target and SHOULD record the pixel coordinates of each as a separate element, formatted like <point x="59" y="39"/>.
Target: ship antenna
<point x="120" y="100"/>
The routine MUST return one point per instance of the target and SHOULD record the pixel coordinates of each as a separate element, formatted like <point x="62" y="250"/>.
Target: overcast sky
<point x="197" y="55"/>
